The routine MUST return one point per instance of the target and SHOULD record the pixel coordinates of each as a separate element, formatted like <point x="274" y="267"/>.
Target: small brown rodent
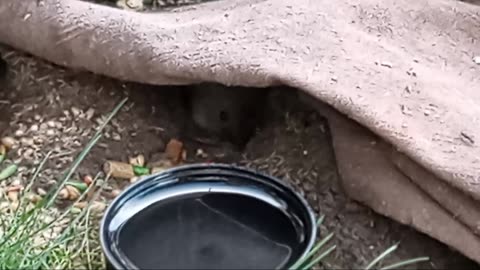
<point x="226" y="113"/>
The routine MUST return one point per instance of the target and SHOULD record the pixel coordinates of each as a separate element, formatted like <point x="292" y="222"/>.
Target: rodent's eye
<point x="223" y="116"/>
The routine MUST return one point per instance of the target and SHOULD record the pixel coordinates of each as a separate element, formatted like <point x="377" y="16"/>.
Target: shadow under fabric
<point x="404" y="114"/>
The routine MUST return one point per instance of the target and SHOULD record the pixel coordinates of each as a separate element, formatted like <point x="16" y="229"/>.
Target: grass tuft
<point x="38" y="236"/>
<point x="314" y="257"/>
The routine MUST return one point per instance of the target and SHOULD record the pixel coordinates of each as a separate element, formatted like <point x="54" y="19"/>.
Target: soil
<point x="48" y="108"/>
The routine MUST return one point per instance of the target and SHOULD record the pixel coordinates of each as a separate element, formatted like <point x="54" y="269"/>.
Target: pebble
<point x="134" y="179"/>
<point x="38" y="140"/>
<point x="26" y="141"/>
<point x="76" y="111"/>
<point x="50" y="132"/>
<point x="116" y="137"/>
<point x="9" y="142"/>
<point x="28" y="153"/>
<point x="16" y="182"/>
<point x="41" y="192"/>
<point x="89" y="114"/>
<point x="34" y="128"/>
<point x="201" y="154"/>
<point x="51" y="124"/>
<point x="116" y="192"/>
<point x="19" y="133"/>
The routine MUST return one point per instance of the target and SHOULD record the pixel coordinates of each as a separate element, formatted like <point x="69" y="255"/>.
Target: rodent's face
<point x="227" y="113"/>
<point x="215" y="118"/>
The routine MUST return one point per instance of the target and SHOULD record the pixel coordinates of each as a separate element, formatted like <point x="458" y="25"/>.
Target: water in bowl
<point x="209" y="231"/>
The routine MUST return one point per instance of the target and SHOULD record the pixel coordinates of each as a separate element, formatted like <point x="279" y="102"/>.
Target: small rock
<point x="116" y="192"/>
<point x="76" y="111"/>
<point x="134" y="179"/>
<point x="19" y="133"/>
<point x="63" y="194"/>
<point x="41" y="192"/>
<point x="50" y="132"/>
<point x="51" y="124"/>
<point x="26" y="141"/>
<point x="34" y="128"/>
<point x="9" y="142"/>
<point x="201" y="154"/>
<point x="16" y="182"/>
<point x="43" y="126"/>
<point x="37" y="140"/>
<point x="116" y="136"/>
<point x="28" y="154"/>
<point x="37" y="117"/>
<point x="89" y="114"/>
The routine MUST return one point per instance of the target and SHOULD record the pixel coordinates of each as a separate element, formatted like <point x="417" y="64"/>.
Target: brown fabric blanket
<point x="402" y="71"/>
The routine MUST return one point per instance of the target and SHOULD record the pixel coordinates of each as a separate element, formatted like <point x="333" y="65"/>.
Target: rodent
<point x="226" y="113"/>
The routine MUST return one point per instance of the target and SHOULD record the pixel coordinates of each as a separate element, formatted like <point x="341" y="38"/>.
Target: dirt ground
<point x="49" y="108"/>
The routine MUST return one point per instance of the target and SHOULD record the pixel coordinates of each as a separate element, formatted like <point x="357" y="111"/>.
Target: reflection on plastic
<point x="207" y="217"/>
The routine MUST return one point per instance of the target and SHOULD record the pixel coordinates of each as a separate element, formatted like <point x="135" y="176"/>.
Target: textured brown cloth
<point x="395" y="78"/>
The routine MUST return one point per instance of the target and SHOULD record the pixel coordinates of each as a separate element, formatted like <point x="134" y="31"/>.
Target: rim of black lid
<point x="105" y="241"/>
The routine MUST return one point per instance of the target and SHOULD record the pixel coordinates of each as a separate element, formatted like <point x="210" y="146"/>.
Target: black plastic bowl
<point x="207" y="216"/>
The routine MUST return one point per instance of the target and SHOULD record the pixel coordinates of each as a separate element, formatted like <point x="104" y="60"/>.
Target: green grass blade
<point x="406" y="262"/>
<point x="320" y="220"/>
<point x="382" y="256"/>
<point x="312" y="252"/>
<point x="18" y="249"/>
<point x="319" y="258"/>
<point x="72" y="170"/>
<point x="28" y="214"/>
<point x="87" y="149"/>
